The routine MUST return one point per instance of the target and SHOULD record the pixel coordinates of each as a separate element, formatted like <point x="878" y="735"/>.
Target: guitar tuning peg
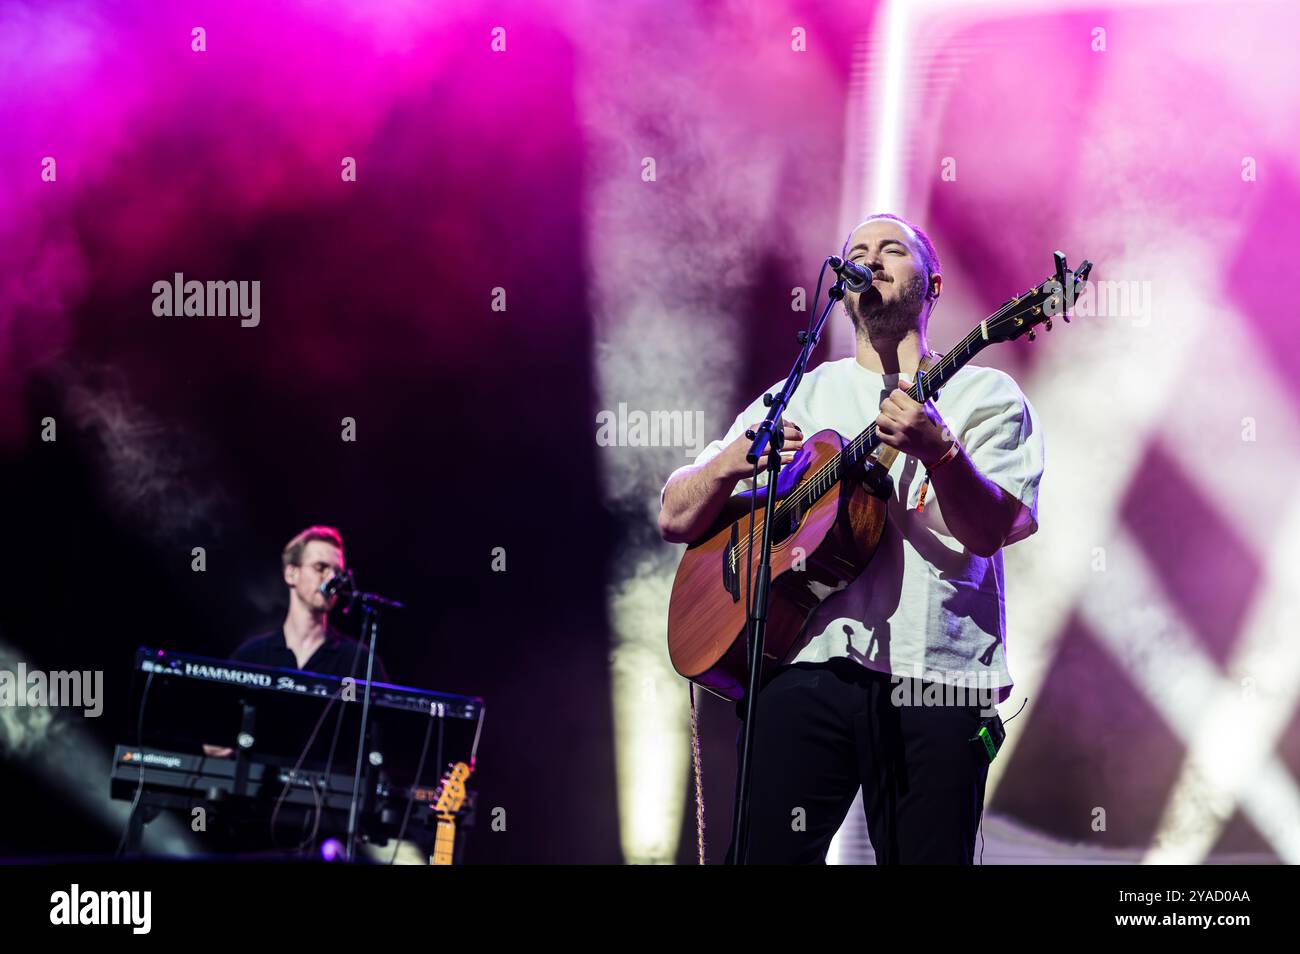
<point x="1032" y="336"/>
<point x="1049" y="324"/>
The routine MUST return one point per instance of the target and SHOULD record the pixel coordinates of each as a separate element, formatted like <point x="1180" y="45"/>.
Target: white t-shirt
<point x="925" y="607"/>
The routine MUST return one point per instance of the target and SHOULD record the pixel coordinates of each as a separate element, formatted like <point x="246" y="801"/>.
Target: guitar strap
<point x="699" y="776"/>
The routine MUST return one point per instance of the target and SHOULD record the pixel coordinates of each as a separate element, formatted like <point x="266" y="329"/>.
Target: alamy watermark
<point x="636" y="428"/>
<point x="1108" y="299"/>
<point x="75" y="907"/>
<point x="59" y="690"/>
<point x="936" y="687"/>
<point x="179" y="298"/>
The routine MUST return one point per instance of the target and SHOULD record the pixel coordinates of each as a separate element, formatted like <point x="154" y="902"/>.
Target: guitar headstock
<point x="1052" y="298"/>
<point x="451" y="791"/>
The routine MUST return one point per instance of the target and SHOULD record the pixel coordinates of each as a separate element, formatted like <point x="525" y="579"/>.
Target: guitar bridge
<point x="731" y="565"/>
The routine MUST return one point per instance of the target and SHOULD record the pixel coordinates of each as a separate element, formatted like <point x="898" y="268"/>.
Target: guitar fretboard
<point x="926" y="385"/>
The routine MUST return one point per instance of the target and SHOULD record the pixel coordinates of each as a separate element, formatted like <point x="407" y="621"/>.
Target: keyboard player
<point x="305" y="639"/>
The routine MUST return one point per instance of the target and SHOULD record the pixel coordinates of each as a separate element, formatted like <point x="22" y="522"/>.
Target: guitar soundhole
<point x="786" y="525"/>
<point x="782" y="529"/>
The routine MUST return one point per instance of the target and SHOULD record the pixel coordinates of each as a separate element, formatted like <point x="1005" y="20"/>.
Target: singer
<point x="306" y="640"/>
<point x="849" y="707"/>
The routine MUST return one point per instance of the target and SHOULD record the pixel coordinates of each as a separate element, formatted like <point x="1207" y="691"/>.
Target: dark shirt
<point x="334" y="657"/>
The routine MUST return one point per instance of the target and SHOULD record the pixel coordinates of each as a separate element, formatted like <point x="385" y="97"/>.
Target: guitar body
<point x="814" y="553"/>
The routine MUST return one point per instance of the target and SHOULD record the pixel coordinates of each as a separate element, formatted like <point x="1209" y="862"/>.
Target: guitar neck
<point x="444" y="841"/>
<point x="926" y="386"/>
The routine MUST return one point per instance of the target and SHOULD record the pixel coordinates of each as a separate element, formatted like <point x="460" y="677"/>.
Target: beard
<point x="878" y="320"/>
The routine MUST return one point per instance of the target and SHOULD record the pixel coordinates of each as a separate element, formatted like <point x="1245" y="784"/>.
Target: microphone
<point x="339" y="581"/>
<point x="855" y="277"/>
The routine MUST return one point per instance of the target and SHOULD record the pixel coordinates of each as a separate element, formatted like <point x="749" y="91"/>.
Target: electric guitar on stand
<point x="447" y="803"/>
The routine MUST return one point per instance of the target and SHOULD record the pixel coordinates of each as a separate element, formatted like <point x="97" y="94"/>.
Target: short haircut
<point x="929" y="257"/>
<point x="292" y="555"/>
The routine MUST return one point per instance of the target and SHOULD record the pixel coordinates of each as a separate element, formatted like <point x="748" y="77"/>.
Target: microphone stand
<point x="371" y="605"/>
<point x="772" y="431"/>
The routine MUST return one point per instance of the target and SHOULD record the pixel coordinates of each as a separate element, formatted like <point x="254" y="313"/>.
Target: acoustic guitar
<point x="826" y="525"/>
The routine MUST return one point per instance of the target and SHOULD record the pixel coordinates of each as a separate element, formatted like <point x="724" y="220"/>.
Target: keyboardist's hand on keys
<point x="218" y="751"/>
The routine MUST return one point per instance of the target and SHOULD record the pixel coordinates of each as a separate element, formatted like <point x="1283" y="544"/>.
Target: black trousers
<point x="824" y="729"/>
